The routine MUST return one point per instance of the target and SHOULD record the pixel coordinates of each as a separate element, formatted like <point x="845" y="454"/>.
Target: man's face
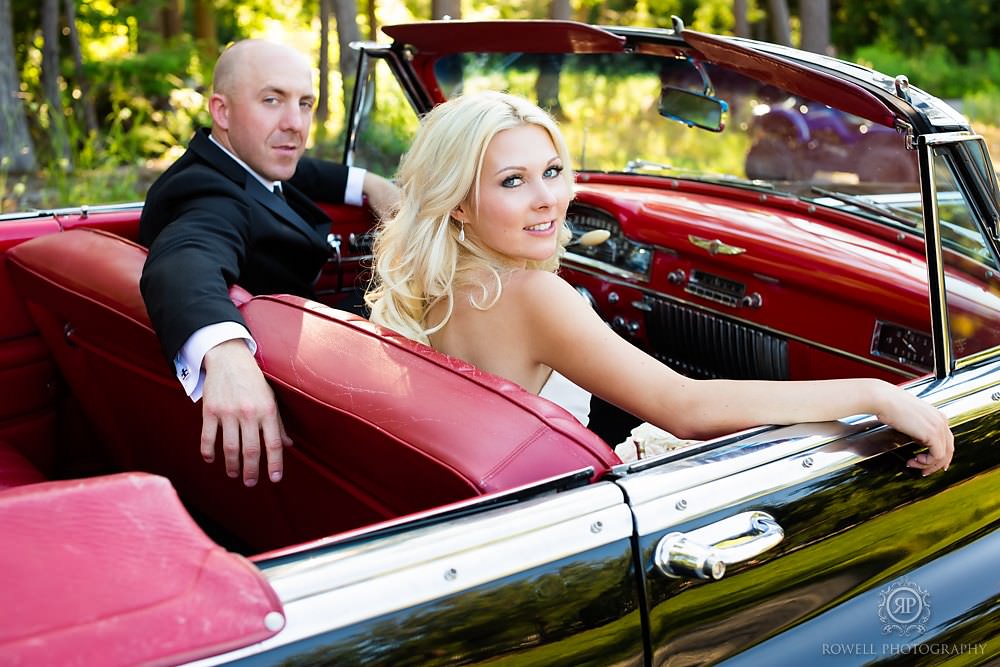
<point x="265" y="113"/>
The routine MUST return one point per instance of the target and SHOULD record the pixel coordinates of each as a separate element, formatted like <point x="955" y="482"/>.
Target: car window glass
<point x="387" y="125"/>
<point x="609" y="109"/>
<point x="971" y="276"/>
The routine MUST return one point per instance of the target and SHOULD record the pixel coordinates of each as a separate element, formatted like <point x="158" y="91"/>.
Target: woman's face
<point x="522" y="196"/>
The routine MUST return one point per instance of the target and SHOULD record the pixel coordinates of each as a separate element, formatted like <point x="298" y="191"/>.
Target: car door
<point x="815" y="542"/>
<point x="544" y="575"/>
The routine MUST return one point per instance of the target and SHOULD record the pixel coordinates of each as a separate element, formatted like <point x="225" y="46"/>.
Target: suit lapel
<point x="235" y="172"/>
<point x="281" y="209"/>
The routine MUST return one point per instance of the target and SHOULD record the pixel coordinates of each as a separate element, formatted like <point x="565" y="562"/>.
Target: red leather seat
<point x="114" y="567"/>
<point x="15" y="470"/>
<point x="406" y="426"/>
<point x="382" y="426"/>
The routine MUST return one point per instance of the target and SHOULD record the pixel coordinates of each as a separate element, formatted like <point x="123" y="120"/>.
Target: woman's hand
<point x="922" y="422"/>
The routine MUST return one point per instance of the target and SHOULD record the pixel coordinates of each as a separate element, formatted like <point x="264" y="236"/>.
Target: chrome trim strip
<point x="805" y="341"/>
<point x="940" y="329"/>
<point x="84" y="209"/>
<point x="977" y="357"/>
<point x="959" y="397"/>
<point x="573" y="258"/>
<point x="948" y="137"/>
<point x="368" y="580"/>
<point x="661" y="498"/>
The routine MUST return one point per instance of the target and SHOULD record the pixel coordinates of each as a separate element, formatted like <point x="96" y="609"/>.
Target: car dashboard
<point x="716" y="282"/>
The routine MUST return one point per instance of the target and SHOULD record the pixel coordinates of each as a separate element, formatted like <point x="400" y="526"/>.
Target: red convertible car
<point x="434" y="514"/>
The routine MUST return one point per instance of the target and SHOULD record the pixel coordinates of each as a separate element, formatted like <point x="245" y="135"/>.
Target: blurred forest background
<point x="96" y="97"/>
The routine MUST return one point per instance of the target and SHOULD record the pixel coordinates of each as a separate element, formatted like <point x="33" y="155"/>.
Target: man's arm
<point x="383" y="195"/>
<point x="322" y="180"/>
<point x="207" y="239"/>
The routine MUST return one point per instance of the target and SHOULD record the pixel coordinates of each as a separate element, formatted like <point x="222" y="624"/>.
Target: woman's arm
<point x="563" y="332"/>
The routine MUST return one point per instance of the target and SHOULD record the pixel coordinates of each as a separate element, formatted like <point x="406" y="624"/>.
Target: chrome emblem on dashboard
<point x="715" y="246"/>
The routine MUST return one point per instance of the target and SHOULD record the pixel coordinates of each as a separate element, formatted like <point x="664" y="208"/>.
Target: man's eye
<point x="270" y="100"/>
<point x="553" y="171"/>
<point x="512" y="181"/>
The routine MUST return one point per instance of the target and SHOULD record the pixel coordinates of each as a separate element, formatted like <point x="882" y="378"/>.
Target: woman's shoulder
<point x="532" y="282"/>
<point x="540" y="289"/>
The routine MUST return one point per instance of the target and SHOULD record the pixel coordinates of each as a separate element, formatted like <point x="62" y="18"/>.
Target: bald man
<point x="238" y="207"/>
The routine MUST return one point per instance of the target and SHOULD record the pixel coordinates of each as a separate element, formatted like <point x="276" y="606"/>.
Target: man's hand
<point x="383" y="195"/>
<point x="237" y="398"/>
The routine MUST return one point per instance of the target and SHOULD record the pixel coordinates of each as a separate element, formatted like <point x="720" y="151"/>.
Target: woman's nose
<point x="545" y="195"/>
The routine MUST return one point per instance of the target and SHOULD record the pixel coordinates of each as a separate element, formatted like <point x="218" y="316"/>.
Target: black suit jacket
<point x="208" y="223"/>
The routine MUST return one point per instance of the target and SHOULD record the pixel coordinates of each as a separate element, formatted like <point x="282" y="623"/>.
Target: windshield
<point x="614" y="111"/>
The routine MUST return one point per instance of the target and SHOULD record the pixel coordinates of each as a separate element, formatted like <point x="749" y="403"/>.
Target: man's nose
<point x="294" y="118"/>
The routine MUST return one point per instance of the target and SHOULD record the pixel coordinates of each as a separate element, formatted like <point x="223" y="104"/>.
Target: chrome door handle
<point x="705" y="552"/>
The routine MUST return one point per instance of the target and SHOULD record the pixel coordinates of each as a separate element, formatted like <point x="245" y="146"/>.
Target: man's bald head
<point x="262" y="106"/>
<point x="250" y="55"/>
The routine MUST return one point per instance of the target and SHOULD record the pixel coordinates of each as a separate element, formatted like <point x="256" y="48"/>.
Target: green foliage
<point x="148" y="93"/>
<point x="961" y="27"/>
<point x="938" y="71"/>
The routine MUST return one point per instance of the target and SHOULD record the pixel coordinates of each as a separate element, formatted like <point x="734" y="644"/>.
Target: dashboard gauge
<point x="903" y="345"/>
<point x="618" y="255"/>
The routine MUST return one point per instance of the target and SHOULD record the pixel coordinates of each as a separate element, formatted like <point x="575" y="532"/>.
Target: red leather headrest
<point x="115" y="569"/>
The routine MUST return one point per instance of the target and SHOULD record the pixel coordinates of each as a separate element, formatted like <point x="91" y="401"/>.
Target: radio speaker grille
<point x="703" y="345"/>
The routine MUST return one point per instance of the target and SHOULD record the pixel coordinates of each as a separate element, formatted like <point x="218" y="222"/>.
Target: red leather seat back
<point x="113" y="571"/>
<point x="408" y="426"/>
<point x="15" y="470"/>
<point x="383" y="426"/>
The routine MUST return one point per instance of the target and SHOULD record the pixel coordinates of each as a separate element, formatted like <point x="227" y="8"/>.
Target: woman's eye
<point x="512" y="181"/>
<point x="553" y="171"/>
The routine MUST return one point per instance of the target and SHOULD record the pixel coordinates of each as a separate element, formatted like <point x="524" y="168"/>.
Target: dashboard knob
<point x="676" y="276"/>
<point x="621" y="325"/>
<point x="754" y="300"/>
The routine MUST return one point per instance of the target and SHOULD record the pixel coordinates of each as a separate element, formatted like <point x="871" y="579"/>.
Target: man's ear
<point x="218" y="106"/>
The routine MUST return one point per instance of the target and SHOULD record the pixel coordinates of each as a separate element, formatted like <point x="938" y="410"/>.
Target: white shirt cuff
<point x="187" y="363"/>
<point x="354" y="194"/>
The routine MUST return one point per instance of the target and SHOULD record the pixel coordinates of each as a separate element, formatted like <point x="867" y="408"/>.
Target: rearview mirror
<point x="693" y="109"/>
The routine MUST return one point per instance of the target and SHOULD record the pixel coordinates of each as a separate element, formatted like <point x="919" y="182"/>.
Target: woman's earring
<point x="461" y="232"/>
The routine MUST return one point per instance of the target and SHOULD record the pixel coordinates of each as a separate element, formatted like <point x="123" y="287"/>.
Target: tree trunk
<point x="781" y="31"/>
<point x="372" y="22"/>
<point x="815" y="25"/>
<point x="17" y="153"/>
<point x="742" y="26"/>
<point x="173" y="19"/>
<point x="89" y="112"/>
<point x="50" y="82"/>
<point x="205" y="33"/>
<point x="446" y="8"/>
<point x="346" y="12"/>
<point x="323" y="101"/>
<point x="547" y="84"/>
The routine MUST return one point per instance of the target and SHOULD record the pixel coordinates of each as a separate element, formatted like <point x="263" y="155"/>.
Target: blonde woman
<point x="468" y="266"/>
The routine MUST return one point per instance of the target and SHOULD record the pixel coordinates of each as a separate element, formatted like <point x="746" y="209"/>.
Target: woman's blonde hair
<point x="419" y="257"/>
